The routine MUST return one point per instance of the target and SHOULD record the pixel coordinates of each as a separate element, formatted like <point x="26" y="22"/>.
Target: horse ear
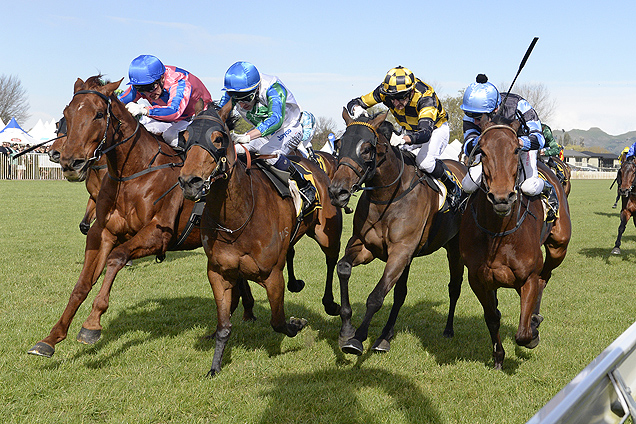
<point x="198" y="107"/>
<point x="345" y="115"/>
<point x="79" y="84"/>
<point x="375" y="123"/>
<point x="515" y="125"/>
<point x="112" y="86"/>
<point x="225" y="111"/>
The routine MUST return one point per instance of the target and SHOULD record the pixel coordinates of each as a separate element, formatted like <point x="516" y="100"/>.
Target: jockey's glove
<point x="396" y="140"/>
<point x="359" y="111"/>
<point x="240" y="138"/>
<point x="136" y="109"/>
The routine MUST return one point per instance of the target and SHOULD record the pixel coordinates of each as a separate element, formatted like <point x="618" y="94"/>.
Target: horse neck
<point x="231" y="200"/>
<point x="387" y="174"/>
<point x="136" y="151"/>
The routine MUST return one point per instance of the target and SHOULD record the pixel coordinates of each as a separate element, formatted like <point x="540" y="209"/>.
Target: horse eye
<point x="99" y="115"/>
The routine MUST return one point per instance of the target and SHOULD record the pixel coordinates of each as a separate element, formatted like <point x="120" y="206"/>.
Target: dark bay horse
<point x="396" y="219"/>
<point x="137" y="212"/>
<point x="627" y="192"/>
<point x="502" y="234"/>
<point x="247" y="227"/>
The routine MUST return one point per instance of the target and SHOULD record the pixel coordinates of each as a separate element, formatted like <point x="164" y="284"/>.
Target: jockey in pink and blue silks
<point x="171" y="92"/>
<point x="264" y="101"/>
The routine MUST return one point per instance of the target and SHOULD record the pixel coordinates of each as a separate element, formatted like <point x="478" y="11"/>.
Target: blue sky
<point x="328" y="52"/>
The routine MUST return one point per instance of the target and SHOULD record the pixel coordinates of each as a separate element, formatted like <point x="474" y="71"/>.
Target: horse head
<point x="628" y="175"/>
<point x="56" y="147"/>
<point x="499" y="149"/>
<point x="210" y="153"/>
<point x="363" y="146"/>
<point x="93" y="114"/>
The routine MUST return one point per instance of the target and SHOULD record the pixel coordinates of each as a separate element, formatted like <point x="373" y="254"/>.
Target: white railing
<point x="602" y="393"/>
<point x="32" y="166"/>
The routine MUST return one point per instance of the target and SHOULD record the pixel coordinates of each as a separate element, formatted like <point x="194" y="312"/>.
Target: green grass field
<point x="150" y="365"/>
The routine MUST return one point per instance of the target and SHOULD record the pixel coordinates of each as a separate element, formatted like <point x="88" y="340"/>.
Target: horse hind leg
<point x="244" y="291"/>
<point x="621" y="229"/>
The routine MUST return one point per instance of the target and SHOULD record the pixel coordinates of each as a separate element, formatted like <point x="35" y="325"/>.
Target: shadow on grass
<point x="161" y="318"/>
<point x="334" y="396"/>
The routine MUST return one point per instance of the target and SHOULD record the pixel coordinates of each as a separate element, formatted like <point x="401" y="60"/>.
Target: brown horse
<point x="397" y="218"/>
<point x="247" y="227"/>
<point x="93" y="180"/>
<point x="627" y="191"/>
<point x="502" y="233"/>
<point x="138" y="213"/>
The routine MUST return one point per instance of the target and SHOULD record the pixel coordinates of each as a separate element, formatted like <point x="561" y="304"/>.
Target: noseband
<point x="369" y="166"/>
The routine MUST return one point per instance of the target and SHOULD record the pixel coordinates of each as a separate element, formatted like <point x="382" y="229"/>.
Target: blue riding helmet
<point x="481" y="96"/>
<point x="145" y="69"/>
<point x="242" y="76"/>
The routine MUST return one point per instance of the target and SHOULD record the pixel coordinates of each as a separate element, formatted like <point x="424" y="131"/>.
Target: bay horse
<point x="247" y="228"/>
<point x="93" y="180"/>
<point x="502" y="233"/>
<point x="137" y="212"/>
<point x="627" y="192"/>
<point x="397" y="218"/>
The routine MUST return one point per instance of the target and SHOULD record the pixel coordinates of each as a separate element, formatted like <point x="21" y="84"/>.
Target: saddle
<point x="281" y="181"/>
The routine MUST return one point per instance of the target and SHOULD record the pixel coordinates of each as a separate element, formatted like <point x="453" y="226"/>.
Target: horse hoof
<point x="332" y="309"/>
<point x="84" y="228"/>
<point x="249" y="317"/>
<point x="87" y="336"/>
<point x="299" y="323"/>
<point x="353" y="347"/>
<point x="533" y="343"/>
<point x="616" y="251"/>
<point x="295" y="286"/>
<point x="42" y="349"/>
<point x="449" y="333"/>
<point x="381" y="345"/>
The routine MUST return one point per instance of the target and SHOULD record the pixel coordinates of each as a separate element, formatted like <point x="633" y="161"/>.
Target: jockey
<point x="481" y="101"/>
<point x="419" y="112"/>
<point x="172" y="93"/>
<point x="265" y="102"/>
<point x="308" y="122"/>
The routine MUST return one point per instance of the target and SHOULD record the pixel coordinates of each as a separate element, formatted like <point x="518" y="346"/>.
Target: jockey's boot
<point x="307" y="190"/>
<point x="442" y="173"/>
<point x="549" y="193"/>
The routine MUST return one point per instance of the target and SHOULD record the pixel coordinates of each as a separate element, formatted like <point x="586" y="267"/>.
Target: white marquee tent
<point x="14" y="134"/>
<point x="43" y="131"/>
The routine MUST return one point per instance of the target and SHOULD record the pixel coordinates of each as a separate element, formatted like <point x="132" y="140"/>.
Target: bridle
<point x="632" y="189"/>
<point x="369" y="166"/>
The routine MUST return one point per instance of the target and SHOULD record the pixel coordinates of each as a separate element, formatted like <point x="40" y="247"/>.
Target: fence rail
<point x="32" y="166"/>
<point x="602" y="393"/>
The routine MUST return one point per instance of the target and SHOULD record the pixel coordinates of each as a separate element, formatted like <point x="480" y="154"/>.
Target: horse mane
<point x="232" y="118"/>
<point x="499" y="119"/>
<point x="96" y="81"/>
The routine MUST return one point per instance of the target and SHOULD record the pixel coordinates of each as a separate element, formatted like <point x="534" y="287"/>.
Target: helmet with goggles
<point x="145" y="70"/>
<point x="241" y="81"/>
<point x="398" y="83"/>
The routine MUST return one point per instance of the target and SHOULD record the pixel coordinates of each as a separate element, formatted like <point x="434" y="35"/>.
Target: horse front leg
<point x="392" y="272"/>
<point x="99" y="243"/>
<point x="528" y="332"/>
<point x="245" y="293"/>
<point x="625" y="215"/>
<point x="331" y="307"/>
<point x="456" y="269"/>
<point x="148" y="241"/>
<point x="492" y="316"/>
<point x="383" y="343"/>
<point x="223" y="293"/>
<point x="275" y="287"/>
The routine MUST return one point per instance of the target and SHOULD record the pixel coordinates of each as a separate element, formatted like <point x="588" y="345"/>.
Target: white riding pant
<point x="429" y="152"/>
<point x="169" y="130"/>
<point x="284" y="141"/>
<point x="531" y="186"/>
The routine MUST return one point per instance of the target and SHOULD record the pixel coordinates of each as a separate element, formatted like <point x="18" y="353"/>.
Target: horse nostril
<point x="78" y="164"/>
<point x="512" y="196"/>
<point x="54" y="156"/>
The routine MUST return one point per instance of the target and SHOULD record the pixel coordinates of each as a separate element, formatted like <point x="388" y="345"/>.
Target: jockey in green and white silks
<point x="265" y="102"/>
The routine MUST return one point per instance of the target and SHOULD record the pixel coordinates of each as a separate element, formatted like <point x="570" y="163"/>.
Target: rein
<point x="99" y="151"/>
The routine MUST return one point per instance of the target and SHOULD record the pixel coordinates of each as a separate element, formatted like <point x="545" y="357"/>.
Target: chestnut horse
<point x="138" y="213"/>
<point x="627" y="191"/>
<point x="501" y="235"/>
<point x="397" y="218"/>
<point x="247" y="227"/>
<point x="93" y="180"/>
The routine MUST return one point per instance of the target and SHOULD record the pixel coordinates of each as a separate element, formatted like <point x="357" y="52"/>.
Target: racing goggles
<point x="241" y="96"/>
<point x="402" y="95"/>
<point x="146" y="88"/>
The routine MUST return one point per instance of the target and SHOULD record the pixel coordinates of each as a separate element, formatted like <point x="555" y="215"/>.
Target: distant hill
<point x="596" y="137"/>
